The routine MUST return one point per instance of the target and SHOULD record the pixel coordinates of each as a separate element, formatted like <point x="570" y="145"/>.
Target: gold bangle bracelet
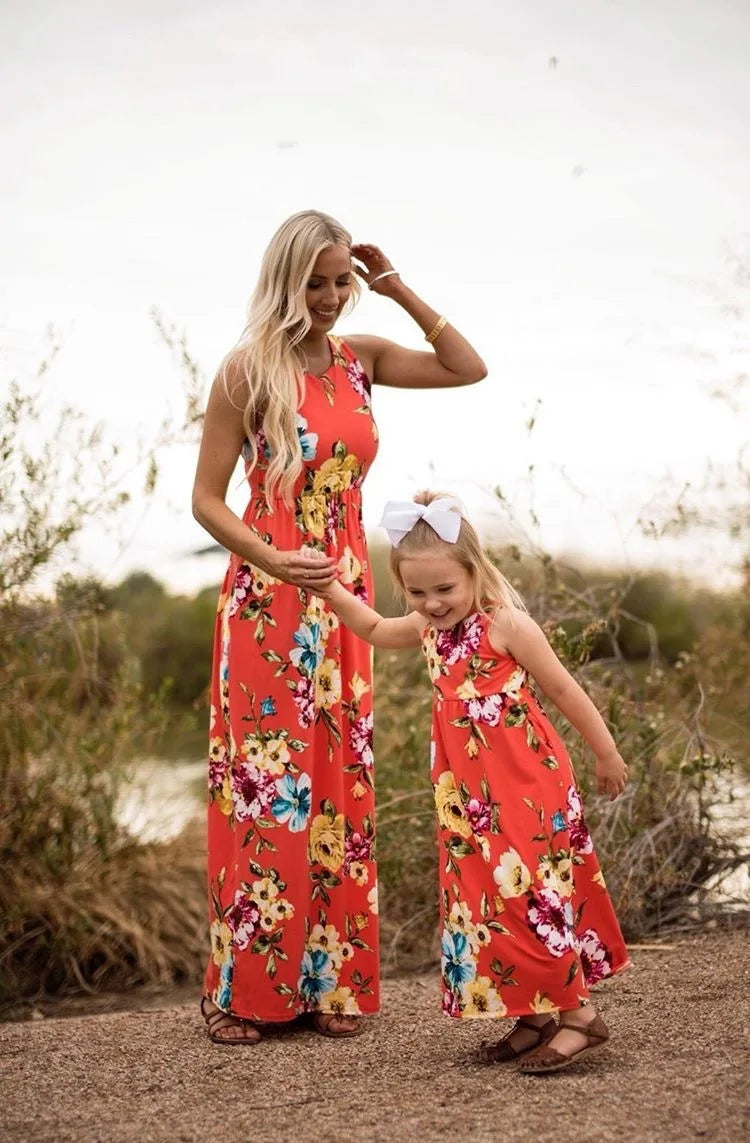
<point x="435" y="333"/>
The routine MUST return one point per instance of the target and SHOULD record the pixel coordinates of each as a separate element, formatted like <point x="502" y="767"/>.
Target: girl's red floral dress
<point x="528" y="923"/>
<point x="291" y="829"/>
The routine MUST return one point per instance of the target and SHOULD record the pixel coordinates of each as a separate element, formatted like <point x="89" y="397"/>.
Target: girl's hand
<point x="307" y="568"/>
<point x="611" y="775"/>
<point x="374" y="263"/>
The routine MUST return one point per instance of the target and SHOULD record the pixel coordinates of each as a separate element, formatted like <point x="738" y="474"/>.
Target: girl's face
<point x="439" y="588"/>
<point x="329" y="287"/>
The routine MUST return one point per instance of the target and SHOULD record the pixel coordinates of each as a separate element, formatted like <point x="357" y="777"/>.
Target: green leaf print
<point x="516" y="715"/>
<point x="462" y="722"/>
<point x="327" y="807"/>
<point x="572" y="974"/>
<point x="531" y="738"/>
<point x="550" y="762"/>
<point x="458" y="847"/>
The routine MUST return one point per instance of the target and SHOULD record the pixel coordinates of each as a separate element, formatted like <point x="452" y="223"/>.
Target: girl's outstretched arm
<point x="516" y="632"/>
<point x="370" y="625"/>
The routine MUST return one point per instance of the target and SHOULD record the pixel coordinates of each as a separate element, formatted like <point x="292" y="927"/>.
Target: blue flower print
<point x="316" y="976"/>
<point x="558" y="821"/>
<point x="456" y="960"/>
<point x="222" y="997"/>
<point x="308" y="441"/>
<point x="268" y="706"/>
<point x="293" y="802"/>
<point x="308" y="654"/>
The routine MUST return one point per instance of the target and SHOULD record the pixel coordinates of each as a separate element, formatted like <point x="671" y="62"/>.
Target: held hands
<point x="611" y="775"/>
<point x="374" y="263"/>
<point x="307" y="568"/>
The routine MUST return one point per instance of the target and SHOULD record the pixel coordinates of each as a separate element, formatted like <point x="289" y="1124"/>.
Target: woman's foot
<point x="580" y="1031"/>
<point x="329" y="1024"/>
<point x="527" y="1033"/>
<point x="223" y="1028"/>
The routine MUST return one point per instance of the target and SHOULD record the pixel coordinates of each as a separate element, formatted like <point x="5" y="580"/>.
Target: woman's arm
<point x="516" y="632"/>
<point x="452" y="361"/>
<point x="394" y="634"/>
<point x="221" y="442"/>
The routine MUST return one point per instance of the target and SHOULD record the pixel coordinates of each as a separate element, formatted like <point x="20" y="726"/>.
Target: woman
<point x="293" y="891"/>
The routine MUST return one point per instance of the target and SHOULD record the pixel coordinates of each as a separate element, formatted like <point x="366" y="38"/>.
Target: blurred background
<point x="568" y="184"/>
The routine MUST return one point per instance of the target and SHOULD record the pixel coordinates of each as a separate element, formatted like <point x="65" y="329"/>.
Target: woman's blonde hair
<point x="266" y="367"/>
<point x="491" y="588"/>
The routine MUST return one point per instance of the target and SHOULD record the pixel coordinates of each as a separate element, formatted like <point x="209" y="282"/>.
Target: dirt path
<point x="677" y="1068"/>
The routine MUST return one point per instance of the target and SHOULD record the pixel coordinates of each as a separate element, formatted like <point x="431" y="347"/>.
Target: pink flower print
<point x="360" y="740"/>
<point x="450" y="1003"/>
<point x="594" y="957"/>
<point x="243" y="919"/>
<point x="479" y="814"/>
<point x="357" y="848"/>
<point x="304" y="698"/>
<point x="253" y="790"/>
<point x="461" y="642"/>
<point x="359" y="381"/>
<point x="551" y="920"/>
<point x="243" y="581"/>
<point x="580" y="838"/>
<point x="487" y="710"/>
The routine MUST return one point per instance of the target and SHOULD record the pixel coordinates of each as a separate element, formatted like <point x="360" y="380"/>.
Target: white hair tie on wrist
<point x="443" y="515"/>
<point x="385" y="274"/>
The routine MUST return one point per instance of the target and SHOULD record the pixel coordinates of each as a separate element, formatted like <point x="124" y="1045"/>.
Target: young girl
<point x="528" y="923"/>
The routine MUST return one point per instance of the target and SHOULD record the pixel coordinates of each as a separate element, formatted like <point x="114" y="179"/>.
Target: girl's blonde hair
<point x="491" y="588"/>
<point x="266" y="367"/>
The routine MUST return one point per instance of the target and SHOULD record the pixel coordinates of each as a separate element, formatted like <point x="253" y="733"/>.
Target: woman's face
<point x="329" y="287"/>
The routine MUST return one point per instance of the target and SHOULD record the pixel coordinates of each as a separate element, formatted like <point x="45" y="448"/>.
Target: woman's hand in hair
<point x="305" y="568"/>
<point x="373" y="262"/>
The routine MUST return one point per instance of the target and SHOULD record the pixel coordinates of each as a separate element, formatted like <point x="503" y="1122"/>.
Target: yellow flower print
<point x="264" y="892"/>
<point x="217" y="750"/>
<point x="372" y="899"/>
<point x="314" y="513"/>
<point x="359" y="872"/>
<point x="359" y="789"/>
<point x="482" y="936"/>
<point x="224" y="799"/>
<point x="467" y="690"/>
<point x="349" y="567"/>
<point x="358" y="686"/>
<point x="327" y="841"/>
<point x="556" y="873"/>
<point x="327" y="939"/>
<point x="327" y="684"/>
<point x="450" y="808"/>
<point x="254" y="750"/>
<point x="221" y="943"/>
<point x="336" y="475"/>
<point x="361" y="921"/>
<point x="481" y="999"/>
<point x="542" y="1003"/>
<point x="315" y="610"/>
<point x="341" y="1002"/>
<point x="511" y="875"/>
<point x="281" y="910"/>
<point x="266" y="923"/>
<point x="262" y="581"/>
<point x="276" y="756"/>
<point x="484" y="847"/>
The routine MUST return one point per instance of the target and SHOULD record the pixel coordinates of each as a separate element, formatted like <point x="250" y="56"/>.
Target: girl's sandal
<point x="217" y="1020"/>
<point x="503" y="1051"/>
<point x="546" y="1059"/>
<point x="323" y="1023"/>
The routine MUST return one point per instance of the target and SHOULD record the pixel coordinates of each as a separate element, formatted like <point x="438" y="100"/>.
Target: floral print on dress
<point x="291" y="823"/>
<point x="528" y="924"/>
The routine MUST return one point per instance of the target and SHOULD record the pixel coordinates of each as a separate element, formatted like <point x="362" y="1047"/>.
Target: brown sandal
<point x="219" y="1019"/>
<point x="503" y="1052"/>
<point x="322" y="1022"/>
<point x="546" y="1059"/>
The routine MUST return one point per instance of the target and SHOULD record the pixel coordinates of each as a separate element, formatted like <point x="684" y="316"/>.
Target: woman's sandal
<point x="503" y="1051"/>
<point x="545" y="1059"/>
<point x="323" y="1023"/>
<point x="218" y="1019"/>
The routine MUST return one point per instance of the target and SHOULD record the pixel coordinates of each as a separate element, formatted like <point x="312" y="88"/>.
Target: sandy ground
<point x="677" y="1068"/>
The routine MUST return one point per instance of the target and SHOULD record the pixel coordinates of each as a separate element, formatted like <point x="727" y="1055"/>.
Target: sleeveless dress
<point x="528" y="924"/>
<point x="291" y="827"/>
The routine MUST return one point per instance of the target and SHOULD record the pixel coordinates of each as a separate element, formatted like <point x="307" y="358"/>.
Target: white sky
<point x="573" y="220"/>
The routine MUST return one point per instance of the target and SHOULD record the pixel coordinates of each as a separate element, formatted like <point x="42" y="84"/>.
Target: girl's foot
<point x="527" y="1033"/>
<point x="578" y="1034"/>
<point x="224" y="1028"/>
<point x="329" y="1024"/>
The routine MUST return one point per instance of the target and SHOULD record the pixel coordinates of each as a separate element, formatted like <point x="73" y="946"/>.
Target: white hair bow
<point x="400" y="516"/>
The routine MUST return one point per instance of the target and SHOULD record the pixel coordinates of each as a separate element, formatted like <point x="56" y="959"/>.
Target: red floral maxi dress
<point x="528" y="923"/>
<point x="291" y="871"/>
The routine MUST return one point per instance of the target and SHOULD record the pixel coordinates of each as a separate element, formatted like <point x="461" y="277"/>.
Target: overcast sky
<point x="565" y="181"/>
